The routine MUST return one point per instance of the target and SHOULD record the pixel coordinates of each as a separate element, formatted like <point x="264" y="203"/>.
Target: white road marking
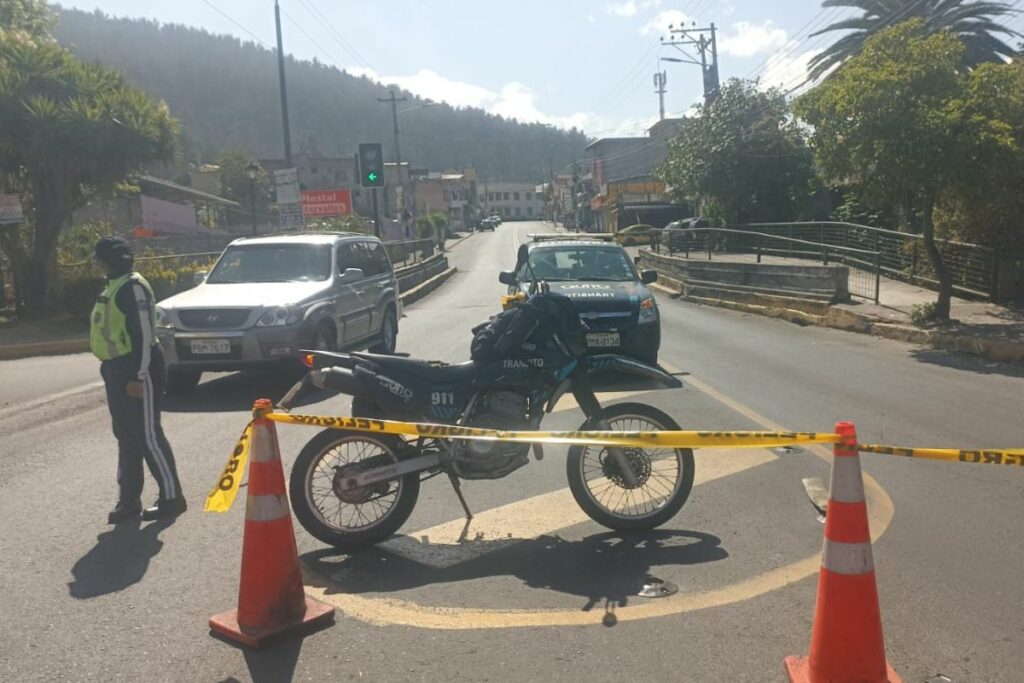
<point x="522" y="520"/>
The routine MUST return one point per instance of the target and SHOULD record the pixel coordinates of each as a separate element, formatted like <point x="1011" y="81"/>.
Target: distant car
<point x="634" y="234"/>
<point x="610" y="294"/>
<point x="678" y="235"/>
<point x="487" y="224"/>
<point x="267" y="298"/>
<point x="496" y="218"/>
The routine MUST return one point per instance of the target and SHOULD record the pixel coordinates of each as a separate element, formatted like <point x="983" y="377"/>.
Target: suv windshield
<point x="580" y="263"/>
<point x="273" y="263"/>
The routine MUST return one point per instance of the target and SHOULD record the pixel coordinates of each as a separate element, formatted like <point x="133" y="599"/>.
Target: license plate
<point x="601" y="340"/>
<point x="210" y="346"/>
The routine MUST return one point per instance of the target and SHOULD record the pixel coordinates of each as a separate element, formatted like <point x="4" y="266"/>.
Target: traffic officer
<point x="123" y="337"/>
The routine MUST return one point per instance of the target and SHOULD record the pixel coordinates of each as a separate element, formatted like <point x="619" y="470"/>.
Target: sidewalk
<point x="979" y="328"/>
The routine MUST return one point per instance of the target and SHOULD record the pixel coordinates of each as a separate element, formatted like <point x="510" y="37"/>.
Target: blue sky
<point x="564" y="62"/>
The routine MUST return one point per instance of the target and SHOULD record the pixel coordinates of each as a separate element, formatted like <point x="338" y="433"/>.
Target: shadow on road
<point x="119" y="559"/>
<point x="237" y="391"/>
<point x="275" y="663"/>
<point x="967" y="363"/>
<point x="608" y="568"/>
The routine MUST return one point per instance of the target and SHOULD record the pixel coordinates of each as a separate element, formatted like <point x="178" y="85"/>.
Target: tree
<point x="236" y="185"/>
<point x="744" y="155"/>
<point x="31" y="18"/>
<point x="894" y="123"/>
<point x="988" y="206"/>
<point x="68" y="131"/>
<point x="973" y="22"/>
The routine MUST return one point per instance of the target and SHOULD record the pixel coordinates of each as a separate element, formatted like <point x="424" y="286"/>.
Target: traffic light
<point x="371" y="164"/>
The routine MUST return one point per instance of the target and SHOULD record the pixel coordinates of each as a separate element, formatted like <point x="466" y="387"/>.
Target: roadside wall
<point x="828" y="284"/>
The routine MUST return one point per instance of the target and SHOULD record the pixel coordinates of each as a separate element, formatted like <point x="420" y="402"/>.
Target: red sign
<point x="323" y="203"/>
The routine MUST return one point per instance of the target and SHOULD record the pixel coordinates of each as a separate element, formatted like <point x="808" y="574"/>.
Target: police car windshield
<point x="570" y="262"/>
<point x="273" y="263"/>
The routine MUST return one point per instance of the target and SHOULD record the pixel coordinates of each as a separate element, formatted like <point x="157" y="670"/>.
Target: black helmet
<point x="113" y="251"/>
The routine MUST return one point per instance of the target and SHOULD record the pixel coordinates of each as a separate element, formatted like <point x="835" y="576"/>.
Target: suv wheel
<point x="182" y="380"/>
<point x="388" y="334"/>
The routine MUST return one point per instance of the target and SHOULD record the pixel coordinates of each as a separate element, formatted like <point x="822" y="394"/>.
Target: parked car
<point x="604" y="284"/>
<point x="678" y="235"/>
<point x="496" y="218"/>
<point x="266" y="298"/>
<point x="634" y="234"/>
<point x="487" y="224"/>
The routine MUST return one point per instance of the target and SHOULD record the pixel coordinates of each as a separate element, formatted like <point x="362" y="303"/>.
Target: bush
<point x="922" y="314"/>
<point x="79" y="286"/>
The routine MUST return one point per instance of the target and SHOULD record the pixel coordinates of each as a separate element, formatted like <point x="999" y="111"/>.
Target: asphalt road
<point x="530" y="597"/>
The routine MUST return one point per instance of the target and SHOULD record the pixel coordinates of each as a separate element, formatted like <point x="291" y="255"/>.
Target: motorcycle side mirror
<point x="507" y="277"/>
<point x="648" y="276"/>
<point x="521" y="256"/>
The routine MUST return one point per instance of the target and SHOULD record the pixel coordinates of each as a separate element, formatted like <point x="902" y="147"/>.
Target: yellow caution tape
<point x="661" y="439"/>
<point x="226" y="488"/>
<point x="1013" y="456"/>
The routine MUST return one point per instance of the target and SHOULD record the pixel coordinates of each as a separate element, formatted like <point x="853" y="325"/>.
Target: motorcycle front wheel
<point x="349" y="519"/>
<point x="664" y="475"/>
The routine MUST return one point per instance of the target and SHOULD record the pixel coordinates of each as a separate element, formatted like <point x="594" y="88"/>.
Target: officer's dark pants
<point x="137" y="427"/>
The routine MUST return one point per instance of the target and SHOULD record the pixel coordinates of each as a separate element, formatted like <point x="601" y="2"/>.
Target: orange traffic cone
<point x="846" y="643"/>
<point x="271" y="600"/>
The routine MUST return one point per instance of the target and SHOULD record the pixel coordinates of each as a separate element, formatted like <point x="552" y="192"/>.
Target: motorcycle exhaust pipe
<point x="338" y="380"/>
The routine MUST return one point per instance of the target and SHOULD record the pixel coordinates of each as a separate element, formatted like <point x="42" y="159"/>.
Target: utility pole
<point x="284" y="89"/>
<point x="575" y="185"/>
<point x="393" y="100"/>
<point x="682" y="37"/>
<point x="660" y="79"/>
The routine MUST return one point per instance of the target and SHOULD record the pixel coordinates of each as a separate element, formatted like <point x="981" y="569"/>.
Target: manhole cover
<point x="657" y="588"/>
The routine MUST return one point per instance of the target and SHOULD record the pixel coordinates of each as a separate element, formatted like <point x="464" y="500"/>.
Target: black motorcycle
<point x="352" y="489"/>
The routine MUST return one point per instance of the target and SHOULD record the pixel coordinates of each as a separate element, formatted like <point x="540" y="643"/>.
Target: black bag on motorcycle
<point x="529" y="329"/>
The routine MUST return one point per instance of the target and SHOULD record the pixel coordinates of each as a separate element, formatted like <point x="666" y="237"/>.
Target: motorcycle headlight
<point x="279" y="316"/>
<point x="163" y="319"/>
<point x="648" y="310"/>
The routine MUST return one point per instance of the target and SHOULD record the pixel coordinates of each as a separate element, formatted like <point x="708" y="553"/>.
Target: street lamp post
<point x="252" y="171"/>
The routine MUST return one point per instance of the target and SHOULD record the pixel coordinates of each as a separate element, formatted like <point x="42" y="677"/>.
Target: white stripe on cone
<point x="266" y="508"/>
<point x="847" y="558"/>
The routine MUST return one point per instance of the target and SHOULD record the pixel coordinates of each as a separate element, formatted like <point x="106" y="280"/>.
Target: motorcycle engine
<point x="490" y="459"/>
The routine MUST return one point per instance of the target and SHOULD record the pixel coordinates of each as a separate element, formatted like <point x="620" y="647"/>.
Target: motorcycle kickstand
<point x="465" y="507"/>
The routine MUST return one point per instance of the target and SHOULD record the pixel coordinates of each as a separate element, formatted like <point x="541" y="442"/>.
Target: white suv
<point x="267" y="298"/>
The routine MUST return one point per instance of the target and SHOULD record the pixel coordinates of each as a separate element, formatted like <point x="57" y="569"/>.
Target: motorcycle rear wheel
<point x="368" y="516"/>
<point x="665" y="474"/>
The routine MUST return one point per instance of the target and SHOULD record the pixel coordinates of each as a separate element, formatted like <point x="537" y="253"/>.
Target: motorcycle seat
<point x="434" y="373"/>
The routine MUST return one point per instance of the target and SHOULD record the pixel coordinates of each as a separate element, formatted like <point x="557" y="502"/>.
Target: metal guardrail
<point x="974" y="268"/>
<point x="757" y="247"/>
<point x="411" y="250"/>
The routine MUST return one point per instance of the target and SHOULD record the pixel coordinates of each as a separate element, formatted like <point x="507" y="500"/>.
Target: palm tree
<point x="973" y="22"/>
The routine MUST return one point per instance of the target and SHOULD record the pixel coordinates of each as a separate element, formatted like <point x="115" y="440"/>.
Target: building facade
<point x="511" y="201"/>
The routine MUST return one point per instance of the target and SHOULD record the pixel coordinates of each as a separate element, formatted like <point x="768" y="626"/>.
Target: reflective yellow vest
<point x="108" y="336"/>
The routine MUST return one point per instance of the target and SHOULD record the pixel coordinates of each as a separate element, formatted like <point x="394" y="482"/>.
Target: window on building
<point x="529" y="196"/>
<point x="490" y="196"/>
<point x="529" y="211"/>
<point x="515" y="196"/>
<point x="518" y="211"/>
<point x="506" y="196"/>
<point x="447" y="197"/>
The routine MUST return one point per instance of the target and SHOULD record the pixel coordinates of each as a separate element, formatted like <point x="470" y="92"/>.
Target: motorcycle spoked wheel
<point x="350" y="519"/>
<point x="665" y="475"/>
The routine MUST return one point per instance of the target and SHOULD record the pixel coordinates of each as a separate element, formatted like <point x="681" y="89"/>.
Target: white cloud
<point x="786" y="70"/>
<point x="515" y="100"/>
<point x="660" y="23"/>
<point x="748" y="39"/>
<point x="591" y="19"/>
<point x="622" y="9"/>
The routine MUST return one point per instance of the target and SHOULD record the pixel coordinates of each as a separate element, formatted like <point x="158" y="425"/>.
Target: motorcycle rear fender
<point x="630" y="366"/>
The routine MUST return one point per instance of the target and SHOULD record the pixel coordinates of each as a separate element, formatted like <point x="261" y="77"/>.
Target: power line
<point x="335" y="33"/>
<point x="224" y="14"/>
<point x="331" y="58"/>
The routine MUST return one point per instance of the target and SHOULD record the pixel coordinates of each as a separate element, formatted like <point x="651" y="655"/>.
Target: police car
<point x="609" y="292"/>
